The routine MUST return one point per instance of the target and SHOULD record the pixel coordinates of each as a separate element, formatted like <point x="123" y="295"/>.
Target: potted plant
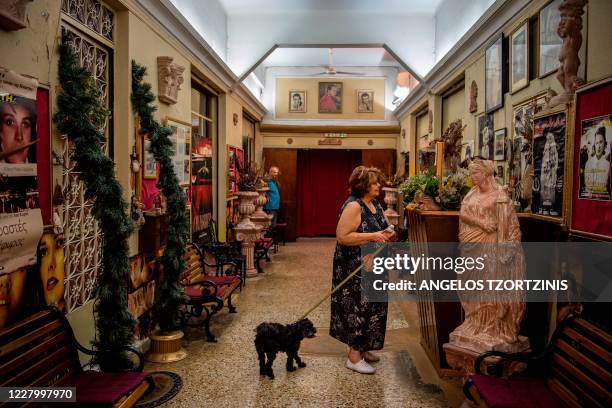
<point x="422" y="190"/>
<point x="452" y="137"/>
<point x="250" y="178"/>
<point x="454" y="187"/>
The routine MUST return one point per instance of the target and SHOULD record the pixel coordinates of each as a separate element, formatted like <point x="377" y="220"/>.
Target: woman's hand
<point x="379" y="236"/>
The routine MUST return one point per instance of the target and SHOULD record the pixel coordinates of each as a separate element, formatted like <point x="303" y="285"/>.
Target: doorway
<point x="322" y="188"/>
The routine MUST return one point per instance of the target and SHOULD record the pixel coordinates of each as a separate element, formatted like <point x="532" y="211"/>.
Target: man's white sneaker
<point x="361" y="367"/>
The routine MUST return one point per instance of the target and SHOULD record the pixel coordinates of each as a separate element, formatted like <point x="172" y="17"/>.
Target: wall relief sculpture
<point x="473" y="96"/>
<point x="13" y="14"/>
<point x="170" y="78"/>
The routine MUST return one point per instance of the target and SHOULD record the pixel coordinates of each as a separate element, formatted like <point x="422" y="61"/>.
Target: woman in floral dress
<point x="359" y="324"/>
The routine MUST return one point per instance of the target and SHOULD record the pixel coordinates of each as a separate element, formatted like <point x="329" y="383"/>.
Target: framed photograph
<point x="500" y="144"/>
<point x="232" y="171"/>
<point x="549" y="42"/>
<point x="595" y="143"/>
<point x="297" y="101"/>
<point x="467" y="150"/>
<point x="591" y="211"/>
<point x="485" y="136"/>
<point x="499" y="173"/>
<point x="495" y="75"/>
<point x="330" y="97"/>
<point x="149" y="165"/>
<point x="365" y="101"/>
<point x="549" y="138"/>
<point x="181" y="145"/>
<point x="519" y="58"/>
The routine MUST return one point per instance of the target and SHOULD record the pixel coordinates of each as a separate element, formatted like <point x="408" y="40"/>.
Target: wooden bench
<point x="575" y="371"/>
<point x="207" y="293"/>
<point x="41" y="351"/>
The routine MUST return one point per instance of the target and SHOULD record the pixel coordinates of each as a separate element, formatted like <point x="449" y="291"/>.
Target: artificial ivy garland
<point x="81" y="116"/>
<point x="169" y="293"/>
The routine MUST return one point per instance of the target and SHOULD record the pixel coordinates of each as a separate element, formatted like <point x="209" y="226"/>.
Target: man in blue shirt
<point x="273" y="204"/>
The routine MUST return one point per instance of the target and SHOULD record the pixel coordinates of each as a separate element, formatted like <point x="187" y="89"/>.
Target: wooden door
<point x="286" y="161"/>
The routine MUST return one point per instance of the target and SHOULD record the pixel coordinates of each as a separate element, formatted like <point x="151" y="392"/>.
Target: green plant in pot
<point x="454" y="187"/>
<point x="249" y="180"/>
<point x="422" y="190"/>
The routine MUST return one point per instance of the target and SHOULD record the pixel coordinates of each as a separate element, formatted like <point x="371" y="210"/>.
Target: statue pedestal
<point x="462" y="359"/>
<point x="260" y="217"/>
<point x="248" y="235"/>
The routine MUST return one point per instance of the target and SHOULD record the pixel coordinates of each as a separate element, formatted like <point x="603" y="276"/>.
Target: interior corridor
<point x="226" y="373"/>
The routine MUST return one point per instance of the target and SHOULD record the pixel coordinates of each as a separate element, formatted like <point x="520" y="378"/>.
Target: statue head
<point x="481" y="172"/>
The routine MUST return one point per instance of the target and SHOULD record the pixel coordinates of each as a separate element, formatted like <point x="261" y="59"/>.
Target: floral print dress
<point x="355" y="321"/>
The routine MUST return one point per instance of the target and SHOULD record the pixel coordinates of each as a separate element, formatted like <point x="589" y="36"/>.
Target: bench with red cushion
<point x="41" y="351"/>
<point x="577" y="366"/>
<point x="206" y="293"/>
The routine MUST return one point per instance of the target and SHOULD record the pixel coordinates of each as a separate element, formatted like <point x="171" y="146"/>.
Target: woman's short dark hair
<point x="362" y="178"/>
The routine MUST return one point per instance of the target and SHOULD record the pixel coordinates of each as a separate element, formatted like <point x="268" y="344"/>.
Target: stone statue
<point x="430" y="119"/>
<point x="489" y="228"/>
<point x="473" y="96"/>
<point x="569" y="29"/>
<point x="170" y="78"/>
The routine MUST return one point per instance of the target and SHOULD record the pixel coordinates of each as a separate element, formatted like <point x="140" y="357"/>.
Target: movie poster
<point x="548" y="163"/>
<point x="595" y="142"/>
<point x="21" y="223"/>
<point x="201" y="182"/>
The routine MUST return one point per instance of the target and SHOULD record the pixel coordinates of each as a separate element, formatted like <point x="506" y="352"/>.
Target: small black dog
<point x="274" y="337"/>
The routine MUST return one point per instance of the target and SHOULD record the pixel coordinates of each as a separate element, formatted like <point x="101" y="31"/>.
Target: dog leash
<point x="340" y="284"/>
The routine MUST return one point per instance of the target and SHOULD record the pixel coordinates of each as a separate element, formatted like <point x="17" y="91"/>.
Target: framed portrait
<point x="330" y="97"/>
<point x="592" y="184"/>
<point x="181" y="146"/>
<point x="485" y="136"/>
<point x="549" y="42"/>
<point x="365" y="101"/>
<point x="519" y="58"/>
<point x="549" y="138"/>
<point x="495" y="74"/>
<point x="149" y="165"/>
<point x="499" y="144"/>
<point x="500" y="173"/>
<point x="467" y="150"/>
<point x="232" y="171"/>
<point x="297" y="101"/>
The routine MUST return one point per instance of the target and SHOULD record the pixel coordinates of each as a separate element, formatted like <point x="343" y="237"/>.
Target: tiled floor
<point x="226" y="373"/>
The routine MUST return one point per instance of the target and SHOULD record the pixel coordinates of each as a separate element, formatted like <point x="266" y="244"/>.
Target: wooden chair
<point x="41" y="351"/>
<point x="207" y="293"/>
<point x="576" y="368"/>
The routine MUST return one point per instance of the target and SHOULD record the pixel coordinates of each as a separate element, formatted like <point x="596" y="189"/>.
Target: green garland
<point x="81" y="117"/>
<point x="169" y="293"/>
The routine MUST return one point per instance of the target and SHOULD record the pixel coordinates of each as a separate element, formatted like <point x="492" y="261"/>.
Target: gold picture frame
<point x="181" y="141"/>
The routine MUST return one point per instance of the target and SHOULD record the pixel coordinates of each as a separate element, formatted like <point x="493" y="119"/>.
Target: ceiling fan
<point x="331" y="70"/>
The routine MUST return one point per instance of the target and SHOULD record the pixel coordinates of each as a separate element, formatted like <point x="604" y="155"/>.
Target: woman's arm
<point x="347" y="226"/>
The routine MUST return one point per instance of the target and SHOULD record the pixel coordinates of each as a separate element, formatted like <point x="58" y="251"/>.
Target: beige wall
<point x="234" y="132"/>
<point x="349" y="98"/>
<point x="453" y="108"/>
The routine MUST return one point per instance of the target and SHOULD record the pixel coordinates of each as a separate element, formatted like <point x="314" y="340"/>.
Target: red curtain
<point x="322" y="188"/>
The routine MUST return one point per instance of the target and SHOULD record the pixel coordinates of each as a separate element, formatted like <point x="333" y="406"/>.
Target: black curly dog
<point x="274" y="337"/>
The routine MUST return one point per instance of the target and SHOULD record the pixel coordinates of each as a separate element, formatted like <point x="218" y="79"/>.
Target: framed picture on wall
<point x="467" y="150"/>
<point x="549" y="137"/>
<point x="500" y="144"/>
<point x="149" y="165"/>
<point x="330" y="97"/>
<point x="181" y="146"/>
<point x="519" y="58"/>
<point x="485" y="136"/>
<point x="549" y="42"/>
<point x="365" y="101"/>
<point x="297" y="101"/>
<point x="495" y="75"/>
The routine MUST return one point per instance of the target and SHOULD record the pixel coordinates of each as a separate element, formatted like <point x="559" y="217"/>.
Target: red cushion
<point x="197" y="292"/>
<point x="515" y="393"/>
<point x="281" y="224"/>
<point x="94" y="387"/>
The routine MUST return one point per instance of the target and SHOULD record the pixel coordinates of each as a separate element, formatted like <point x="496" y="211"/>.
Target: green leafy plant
<point x="454" y="187"/>
<point x="393" y="180"/>
<point x="81" y="117"/>
<point x="169" y="295"/>
<point x="426" y="183"/>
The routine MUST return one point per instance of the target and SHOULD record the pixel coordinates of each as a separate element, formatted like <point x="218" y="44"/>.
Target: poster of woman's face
<point x="17" y="130"/>
<point x="550" y="42"/>
<point x="330" y="97"/>
<point x="548" y="163"/>
<point x="519" y="54"/>
<point x="595" y="151"/>
<point x="500" y="144"/>
<point x="52" y="274"/>
<point x="11" y="295"/>
<point x="485" y="136"/>
<point x="297" y="101"/>
<point x="494" y="75"/>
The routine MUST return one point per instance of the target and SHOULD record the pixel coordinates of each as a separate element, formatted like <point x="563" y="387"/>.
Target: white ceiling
<point x="233" y="7"/>
<point x="341" y="57"/>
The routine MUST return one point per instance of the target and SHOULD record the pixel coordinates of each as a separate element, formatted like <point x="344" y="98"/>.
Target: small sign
<point x="332" y="142"/>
